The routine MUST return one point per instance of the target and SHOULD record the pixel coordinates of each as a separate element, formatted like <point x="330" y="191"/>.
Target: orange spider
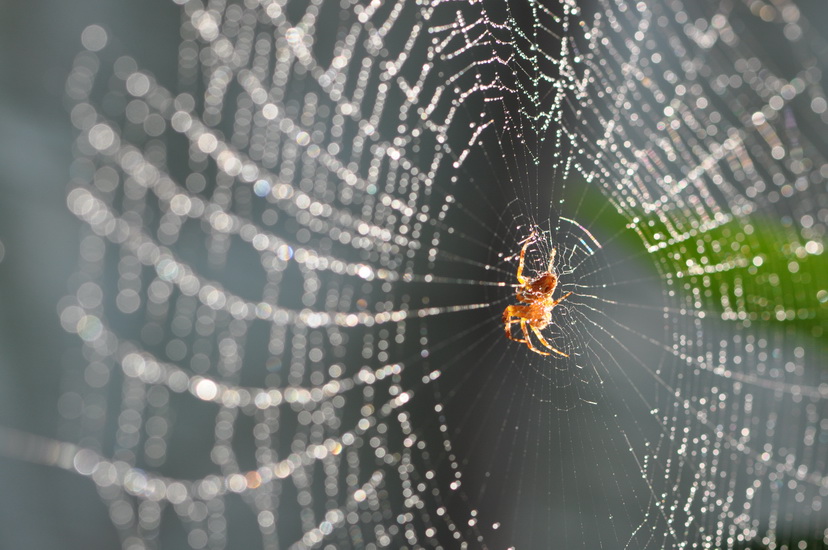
<point x="537" y="292"/>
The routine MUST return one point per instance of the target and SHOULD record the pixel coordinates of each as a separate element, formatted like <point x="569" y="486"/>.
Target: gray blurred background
<point x="43" y="507"/>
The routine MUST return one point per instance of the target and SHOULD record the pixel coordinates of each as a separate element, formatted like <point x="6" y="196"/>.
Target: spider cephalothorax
<point x="537" y="293"/>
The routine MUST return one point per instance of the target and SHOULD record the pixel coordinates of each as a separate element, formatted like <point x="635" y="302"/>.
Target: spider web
<point x="298" y="247"/>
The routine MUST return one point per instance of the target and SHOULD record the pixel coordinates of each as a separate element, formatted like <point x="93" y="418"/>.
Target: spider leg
<point x="526" y="244"/>
<point x="561" y="299"/>
<point x="551" y="260"/>
<point x="508" y="322"/>
<point x="529" y="342"/>
<point x="509" y="331"/>
<point x="545" y="343"/>
<point x="533" y="236"/>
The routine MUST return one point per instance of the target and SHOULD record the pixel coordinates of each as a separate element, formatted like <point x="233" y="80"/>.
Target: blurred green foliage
<point x="749" y="269"/>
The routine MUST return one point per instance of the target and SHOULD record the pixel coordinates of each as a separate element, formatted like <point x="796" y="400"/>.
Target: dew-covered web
<point x="299" y="244"/>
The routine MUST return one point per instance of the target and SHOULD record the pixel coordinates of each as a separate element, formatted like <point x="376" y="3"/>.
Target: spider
<point x="537" y="293"/>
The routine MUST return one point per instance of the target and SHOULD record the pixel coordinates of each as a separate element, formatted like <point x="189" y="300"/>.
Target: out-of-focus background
<point x="45" y="507"/>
